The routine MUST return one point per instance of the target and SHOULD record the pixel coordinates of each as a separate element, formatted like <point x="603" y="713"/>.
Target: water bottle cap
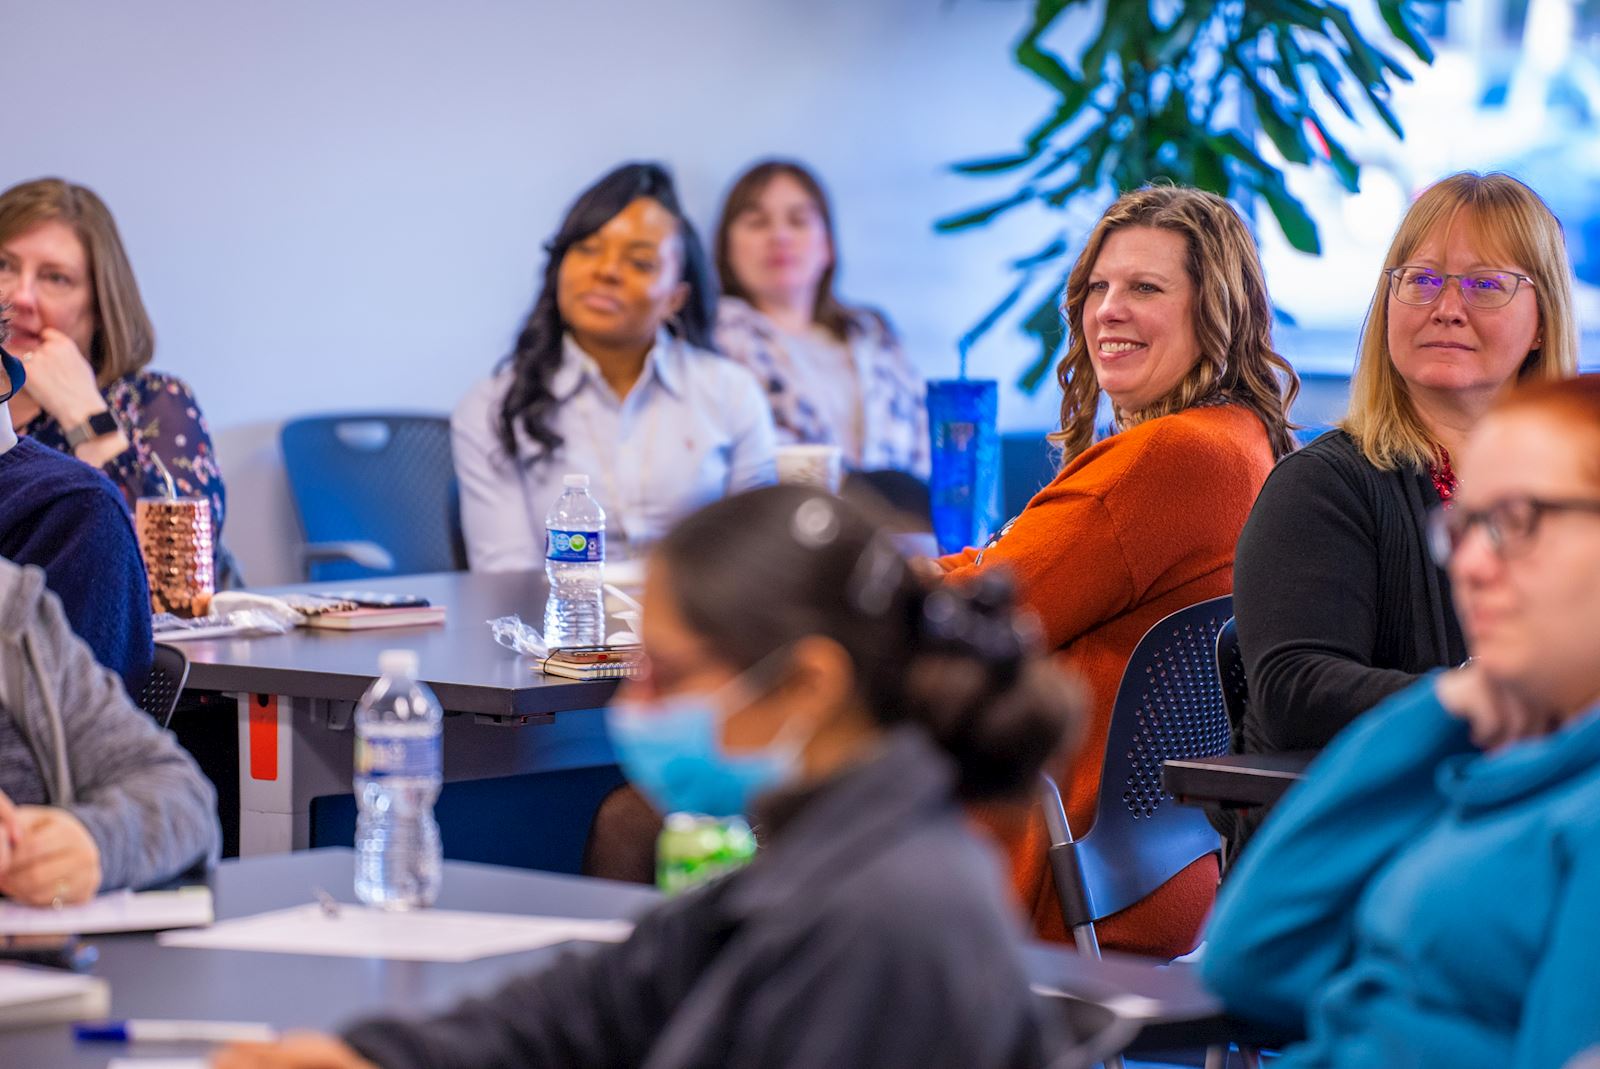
<point x="575" y="481"/>
<point x="398" y="663"/>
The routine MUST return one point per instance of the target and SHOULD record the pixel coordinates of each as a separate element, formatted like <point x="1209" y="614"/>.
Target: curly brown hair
<point x="1232" y="320"/>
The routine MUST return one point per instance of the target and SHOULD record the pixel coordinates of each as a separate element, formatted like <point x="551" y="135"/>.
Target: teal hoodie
<point x="1417" y="902"/>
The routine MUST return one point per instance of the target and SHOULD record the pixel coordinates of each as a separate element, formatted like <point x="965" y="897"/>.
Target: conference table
<point x="148" y="980"/>
<point x="295" y="695"/>
<point x="1235" y="780"/>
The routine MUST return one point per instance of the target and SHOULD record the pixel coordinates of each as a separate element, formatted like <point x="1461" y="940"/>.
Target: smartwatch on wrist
<point x="97" y="425"/>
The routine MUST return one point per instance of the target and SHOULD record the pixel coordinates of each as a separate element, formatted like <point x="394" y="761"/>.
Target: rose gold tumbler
<point x="175" y="539"/>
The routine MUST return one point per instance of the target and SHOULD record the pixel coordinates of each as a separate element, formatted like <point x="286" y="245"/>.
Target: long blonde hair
<point x="124" y="340"/>
<point x="1506" y="219"/>
<point x="1232" y="320"/>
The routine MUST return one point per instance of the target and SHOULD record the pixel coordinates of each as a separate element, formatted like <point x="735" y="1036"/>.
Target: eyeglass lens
<point x="1483" y="289"/>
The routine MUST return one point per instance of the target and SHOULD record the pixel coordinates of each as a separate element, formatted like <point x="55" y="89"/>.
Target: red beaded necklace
<point x="1443" y="475"/>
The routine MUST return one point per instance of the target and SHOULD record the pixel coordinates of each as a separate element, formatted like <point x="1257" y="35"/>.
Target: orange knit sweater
<point x="1136" y="527"/>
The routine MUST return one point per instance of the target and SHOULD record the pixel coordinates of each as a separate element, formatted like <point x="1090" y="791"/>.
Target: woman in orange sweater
<point x="1167" y="313"/>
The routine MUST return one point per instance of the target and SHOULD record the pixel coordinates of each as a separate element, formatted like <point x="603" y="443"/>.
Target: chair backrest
<point x="168" y="674"/>
<point x="1169" y="705"/>
<point x="376" y="477"/>
<point x="1230" y="672"/>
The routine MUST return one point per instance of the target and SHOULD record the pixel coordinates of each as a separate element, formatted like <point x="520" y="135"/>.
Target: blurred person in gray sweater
<point x="93" y="795"/>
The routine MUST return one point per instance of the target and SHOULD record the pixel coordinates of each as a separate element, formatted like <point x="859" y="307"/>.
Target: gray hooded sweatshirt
<point x="141" y="796"/>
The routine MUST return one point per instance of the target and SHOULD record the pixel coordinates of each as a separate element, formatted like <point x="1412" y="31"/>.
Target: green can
<point x="694" y="849"/>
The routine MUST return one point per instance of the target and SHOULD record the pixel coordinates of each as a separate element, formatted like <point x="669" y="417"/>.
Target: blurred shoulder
<point x="737" y="316"/>
<point x="61" y="476"/>
<point x="1215" y="430"/>
<point x="148" y="386"/>
<point x="714" y="371"/>
<point x="1332" y="459"/>
<point x="871" y="325"/>
<point x="479" y="407"/>
<point x="893" y="894"/>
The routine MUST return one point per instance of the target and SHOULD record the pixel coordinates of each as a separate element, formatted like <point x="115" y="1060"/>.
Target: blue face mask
<point x="671" y="749"/>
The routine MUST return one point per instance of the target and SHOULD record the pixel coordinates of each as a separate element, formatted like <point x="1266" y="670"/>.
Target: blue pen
<point x="152" y="1031"/>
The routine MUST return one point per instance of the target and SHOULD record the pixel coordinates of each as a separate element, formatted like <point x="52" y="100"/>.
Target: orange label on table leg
<point x="264" y="736"/>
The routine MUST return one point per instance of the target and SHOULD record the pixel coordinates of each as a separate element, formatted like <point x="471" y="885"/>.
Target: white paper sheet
<point x="115" y="911"/>
<point x="423" y="935"/>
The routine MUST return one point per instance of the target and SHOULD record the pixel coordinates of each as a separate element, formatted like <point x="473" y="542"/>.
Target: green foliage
<point x="1165" y="98"/>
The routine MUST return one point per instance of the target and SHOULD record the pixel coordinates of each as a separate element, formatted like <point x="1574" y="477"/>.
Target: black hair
<point x="537" y="353"/>
<point x="758" y="571"/>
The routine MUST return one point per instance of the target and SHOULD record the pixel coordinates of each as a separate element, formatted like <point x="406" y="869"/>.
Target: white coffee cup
<point x="821" y="466"/>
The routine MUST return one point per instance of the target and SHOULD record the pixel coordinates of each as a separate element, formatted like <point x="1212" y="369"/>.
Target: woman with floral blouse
<point x="833" y="373"/>
<point x="80" y="328"/>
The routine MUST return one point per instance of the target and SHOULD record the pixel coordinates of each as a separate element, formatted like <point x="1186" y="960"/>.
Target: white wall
<point x="339" y="204"/>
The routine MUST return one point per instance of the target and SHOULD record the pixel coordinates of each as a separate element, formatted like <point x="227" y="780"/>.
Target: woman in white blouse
<point x="611" y="376"/>
<point x="833" y="373"/>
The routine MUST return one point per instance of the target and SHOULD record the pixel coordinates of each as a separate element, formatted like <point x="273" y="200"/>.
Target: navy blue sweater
<point x="60" y="514"/>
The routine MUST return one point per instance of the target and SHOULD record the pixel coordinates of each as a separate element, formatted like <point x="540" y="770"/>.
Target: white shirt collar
<point x="8" y="434"/>
<point x="664" y="362"/>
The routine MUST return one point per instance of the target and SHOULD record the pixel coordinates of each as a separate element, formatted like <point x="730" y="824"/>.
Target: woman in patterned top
<point x="79" y="326"/>
<point x="832" y="373"/>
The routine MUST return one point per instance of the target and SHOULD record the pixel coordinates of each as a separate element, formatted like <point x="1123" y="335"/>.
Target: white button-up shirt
<point x="693" y="428"/>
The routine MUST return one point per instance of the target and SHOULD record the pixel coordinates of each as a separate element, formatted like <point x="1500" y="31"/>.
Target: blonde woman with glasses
<point x="1338" y="603"/>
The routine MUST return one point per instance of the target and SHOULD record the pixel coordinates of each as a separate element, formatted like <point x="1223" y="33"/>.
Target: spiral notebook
<point x="594" y="662"/>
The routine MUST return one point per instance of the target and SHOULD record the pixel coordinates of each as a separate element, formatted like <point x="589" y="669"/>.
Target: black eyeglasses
<point x="1481" y="289"/>
<point x="1510" y="525"/>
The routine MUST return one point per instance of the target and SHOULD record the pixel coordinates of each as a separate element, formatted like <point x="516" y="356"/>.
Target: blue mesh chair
<point x="1169" y="705"/>
<point x="162" y="688"/>
<point x="376" y="494"/>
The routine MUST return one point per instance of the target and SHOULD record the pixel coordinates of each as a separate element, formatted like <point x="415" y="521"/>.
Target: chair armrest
<point x="367" y="554"/>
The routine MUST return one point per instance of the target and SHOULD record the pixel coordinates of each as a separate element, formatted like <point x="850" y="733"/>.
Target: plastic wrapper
<point x="513" y="634"/>
<point x="234" y="601"/>
<point x="170" y="628"/>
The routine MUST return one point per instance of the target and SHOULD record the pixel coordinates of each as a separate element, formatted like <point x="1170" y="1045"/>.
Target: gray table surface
<point x="460" y="660"/>
<point x="298" y="991"/>
<point x="301" y="991"/>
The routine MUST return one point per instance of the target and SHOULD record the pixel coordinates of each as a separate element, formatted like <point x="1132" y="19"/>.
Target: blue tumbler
<point x="965" y="483"/>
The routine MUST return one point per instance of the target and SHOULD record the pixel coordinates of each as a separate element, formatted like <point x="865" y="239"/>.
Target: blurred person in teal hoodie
<point x="1430" y="895"/>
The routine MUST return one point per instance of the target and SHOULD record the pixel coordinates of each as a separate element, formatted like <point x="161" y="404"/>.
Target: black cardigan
<point x="873" y="929"/>
<point x="1338" y="603"/>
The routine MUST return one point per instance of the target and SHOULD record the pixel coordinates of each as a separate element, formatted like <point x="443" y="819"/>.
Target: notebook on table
<point x="31" y="996"/>
<point x="346" y="611"/>
<point x="594" y="662"/>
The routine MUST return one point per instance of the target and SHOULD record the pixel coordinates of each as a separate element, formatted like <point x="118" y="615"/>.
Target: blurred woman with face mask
<point x="850" y="711"/>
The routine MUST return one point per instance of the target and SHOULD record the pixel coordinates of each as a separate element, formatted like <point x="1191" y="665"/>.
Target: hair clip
<point x="815" y="523"/>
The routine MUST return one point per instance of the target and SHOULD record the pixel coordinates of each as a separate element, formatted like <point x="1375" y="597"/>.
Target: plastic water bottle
<point x="398" y="771"/>
<point x="574" y="562"/>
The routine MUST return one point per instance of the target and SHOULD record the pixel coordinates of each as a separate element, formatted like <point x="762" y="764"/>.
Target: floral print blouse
<point x="160" y="416"/>
<point x="892" y="396"/>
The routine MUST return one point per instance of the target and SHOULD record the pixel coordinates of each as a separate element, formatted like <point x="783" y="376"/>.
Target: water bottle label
<point x="578" y="547"/>
<point x="411" y="756"/>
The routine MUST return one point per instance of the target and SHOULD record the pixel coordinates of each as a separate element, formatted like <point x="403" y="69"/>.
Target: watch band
<point x="101" y="423"/>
